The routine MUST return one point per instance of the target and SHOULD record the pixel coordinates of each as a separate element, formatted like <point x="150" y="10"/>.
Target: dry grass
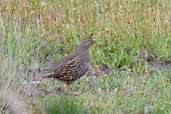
<point x="11" y="87"/>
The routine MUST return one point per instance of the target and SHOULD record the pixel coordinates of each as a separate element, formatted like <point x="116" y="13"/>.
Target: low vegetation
<point x="133" y="37"/>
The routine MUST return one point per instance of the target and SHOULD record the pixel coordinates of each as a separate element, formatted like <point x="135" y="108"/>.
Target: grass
<point x="33" y="31"/>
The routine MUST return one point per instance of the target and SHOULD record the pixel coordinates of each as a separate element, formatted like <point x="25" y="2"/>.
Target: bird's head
<point x="86" y="43"/>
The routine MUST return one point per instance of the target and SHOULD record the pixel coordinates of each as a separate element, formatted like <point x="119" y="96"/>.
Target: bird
<point x="73" y="66"/>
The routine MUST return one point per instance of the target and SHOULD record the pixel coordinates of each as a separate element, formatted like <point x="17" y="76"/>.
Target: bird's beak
<point x="93" y="42"/>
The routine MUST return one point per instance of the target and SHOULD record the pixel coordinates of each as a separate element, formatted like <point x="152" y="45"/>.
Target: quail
<point x="73" y="66"/>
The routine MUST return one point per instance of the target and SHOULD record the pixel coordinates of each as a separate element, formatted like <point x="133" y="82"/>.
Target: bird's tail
<point x="42" y="72"/>
<point x="49" y="75"/>
<point x="46" y="73"/>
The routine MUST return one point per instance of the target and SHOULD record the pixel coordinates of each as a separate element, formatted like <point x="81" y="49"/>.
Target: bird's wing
<point x="57" y="68"/>
<point x="69" y="69"/>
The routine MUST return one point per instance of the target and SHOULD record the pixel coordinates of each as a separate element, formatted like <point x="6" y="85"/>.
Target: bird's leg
<point x="67" y="87"/>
